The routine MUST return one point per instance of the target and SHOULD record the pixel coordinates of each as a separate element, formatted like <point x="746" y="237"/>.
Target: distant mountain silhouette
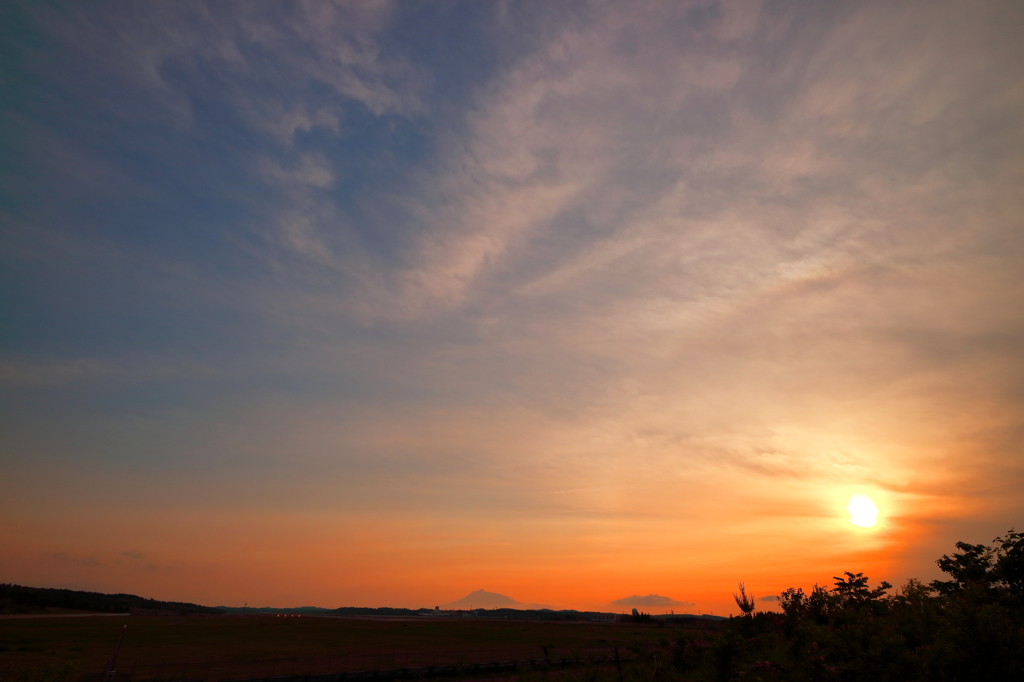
<point x="482" y="599"/>
<point x="650" y="600"/>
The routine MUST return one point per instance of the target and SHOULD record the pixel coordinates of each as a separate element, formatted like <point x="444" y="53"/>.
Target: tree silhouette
<point x="854" y="589"/>
<point x="744" y="601"/>
<point x="966" y="628"/>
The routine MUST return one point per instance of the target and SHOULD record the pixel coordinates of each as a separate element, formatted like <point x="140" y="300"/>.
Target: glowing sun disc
<point x="863" y="511"/>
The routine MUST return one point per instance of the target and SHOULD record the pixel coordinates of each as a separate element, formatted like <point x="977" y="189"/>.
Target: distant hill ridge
<point x="16" y="599"/>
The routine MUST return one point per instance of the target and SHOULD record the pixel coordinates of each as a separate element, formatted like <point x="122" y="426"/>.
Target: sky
<point x="379" y="303"/>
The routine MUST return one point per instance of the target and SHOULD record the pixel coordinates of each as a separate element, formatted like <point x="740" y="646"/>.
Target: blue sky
<point x="552" y="284"/>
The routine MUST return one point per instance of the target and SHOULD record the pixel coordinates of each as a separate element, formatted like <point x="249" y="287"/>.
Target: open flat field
<point x="222" y="647"/>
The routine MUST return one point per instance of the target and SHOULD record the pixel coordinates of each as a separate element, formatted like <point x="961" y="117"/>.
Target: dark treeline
<point x="501" y="614"/>
<point x="318" y="611"/>
<point x="19" y="599"/>
<point x="969" y="627"/>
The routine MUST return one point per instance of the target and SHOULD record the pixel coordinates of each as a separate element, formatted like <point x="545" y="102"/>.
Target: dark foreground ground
<point x="234" y="647"/>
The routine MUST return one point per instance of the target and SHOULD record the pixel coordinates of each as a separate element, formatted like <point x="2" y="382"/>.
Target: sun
<point x="863" y="511"/>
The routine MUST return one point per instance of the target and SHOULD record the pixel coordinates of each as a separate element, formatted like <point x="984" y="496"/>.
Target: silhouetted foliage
<point x="1010" y="562"/>
<point x="746" y="603"/>
<point x="985" y="570"/>
<point x="969" y="627"/>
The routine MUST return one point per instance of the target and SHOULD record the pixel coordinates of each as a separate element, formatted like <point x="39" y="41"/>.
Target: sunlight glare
<point x="863" y="511"/>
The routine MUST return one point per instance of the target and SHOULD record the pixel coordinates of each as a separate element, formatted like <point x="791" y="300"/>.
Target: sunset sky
<point x="379" y="303"/>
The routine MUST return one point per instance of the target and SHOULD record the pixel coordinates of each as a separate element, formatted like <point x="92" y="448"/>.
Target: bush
<point x="970" y="627"/>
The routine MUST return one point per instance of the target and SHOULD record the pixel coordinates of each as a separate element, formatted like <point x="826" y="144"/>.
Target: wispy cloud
<point x="681" y="261"/>
<point x="84" y="561"/>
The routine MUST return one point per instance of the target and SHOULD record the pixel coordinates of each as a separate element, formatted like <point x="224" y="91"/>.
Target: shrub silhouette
<point x="968" y="627"/>
<point x="745" y="603"/>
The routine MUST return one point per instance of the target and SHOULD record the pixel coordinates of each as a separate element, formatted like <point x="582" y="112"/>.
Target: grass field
<point x="59" y="648"/>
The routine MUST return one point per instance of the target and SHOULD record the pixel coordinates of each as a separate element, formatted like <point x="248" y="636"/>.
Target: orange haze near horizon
<point x="297" y="542"/>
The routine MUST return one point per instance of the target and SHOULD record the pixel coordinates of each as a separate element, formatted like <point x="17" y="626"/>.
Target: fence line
<point x="378" y="665"/>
